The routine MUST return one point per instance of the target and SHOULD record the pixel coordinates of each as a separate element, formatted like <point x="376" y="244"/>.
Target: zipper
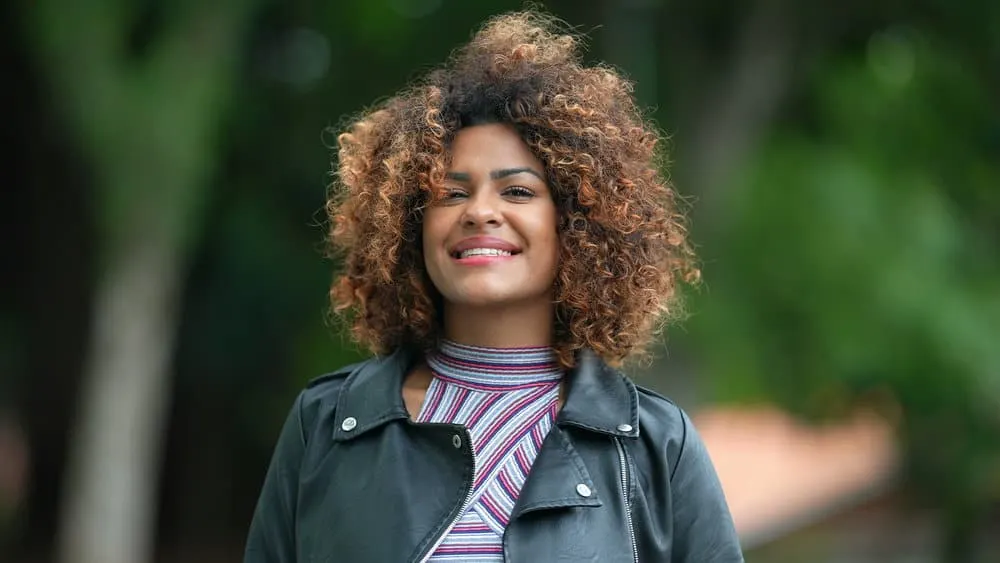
<point x="623" y="463"/>
<point x="465" y="503"/>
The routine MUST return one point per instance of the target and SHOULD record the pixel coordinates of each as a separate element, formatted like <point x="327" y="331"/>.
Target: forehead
<point x="491" y="146"/>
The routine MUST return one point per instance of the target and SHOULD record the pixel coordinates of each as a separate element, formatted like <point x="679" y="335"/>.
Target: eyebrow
<point x="495" y="174"/>
<point x="504" y="172"/>
<point x="458" y="176"/>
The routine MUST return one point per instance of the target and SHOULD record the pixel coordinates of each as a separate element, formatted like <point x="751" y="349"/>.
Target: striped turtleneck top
<point x="508" y="399"/>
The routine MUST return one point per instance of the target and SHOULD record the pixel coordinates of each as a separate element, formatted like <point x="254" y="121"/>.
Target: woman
<point x="508" y="239"/>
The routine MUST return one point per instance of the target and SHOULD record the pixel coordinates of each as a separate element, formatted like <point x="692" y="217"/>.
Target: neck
<point x="499" y="327"/>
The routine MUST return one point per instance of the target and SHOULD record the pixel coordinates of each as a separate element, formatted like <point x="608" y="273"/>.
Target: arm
<point x="272" y="532"/>
<point x="703" y="526"/>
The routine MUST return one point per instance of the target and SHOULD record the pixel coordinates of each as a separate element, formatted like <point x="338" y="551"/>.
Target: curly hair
<point x="622" y="232"/>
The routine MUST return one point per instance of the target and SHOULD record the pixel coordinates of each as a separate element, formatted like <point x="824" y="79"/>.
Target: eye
<point x="451" y="194"/>
<point x="518" y="193"/>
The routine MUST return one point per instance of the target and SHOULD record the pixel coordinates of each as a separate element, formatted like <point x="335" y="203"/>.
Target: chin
<point x="483" y="299"/>
<point x="488" y="294"/>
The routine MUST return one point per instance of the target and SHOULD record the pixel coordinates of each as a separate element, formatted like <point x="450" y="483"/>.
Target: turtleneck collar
<point x="495" y="369"/>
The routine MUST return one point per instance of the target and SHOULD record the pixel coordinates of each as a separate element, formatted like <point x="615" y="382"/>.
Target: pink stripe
<point x="484" y="406"/>
<point x="469" y="549"/>
<point x="487" y="387"/>
<point x="522" y="461"/>
<point x="536" y="436"/>
<point x="528" y="398"/>
<point x="456" y="404"/>
<point x="508" y="486"/>
<point x="502" y="452"/>
<point x="486" y="501"/>
<point x="433" y="402"/>
<point x="477" y="529"/>
<point x="482" y="367"/>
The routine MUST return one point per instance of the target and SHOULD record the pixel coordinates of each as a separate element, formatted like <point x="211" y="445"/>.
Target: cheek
<point x="429" y="240"/>
<point x="432" y="232"/>
<point x="547" y="236"/>
<point x="435" y="229"/>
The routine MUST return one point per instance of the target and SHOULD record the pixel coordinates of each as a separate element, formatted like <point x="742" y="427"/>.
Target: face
<point x="490" y="239"/>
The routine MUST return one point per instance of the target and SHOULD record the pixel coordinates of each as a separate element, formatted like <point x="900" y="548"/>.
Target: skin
<point x="496" y="187"/>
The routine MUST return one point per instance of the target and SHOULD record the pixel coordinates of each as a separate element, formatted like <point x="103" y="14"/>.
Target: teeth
<point x="483" y="252"/>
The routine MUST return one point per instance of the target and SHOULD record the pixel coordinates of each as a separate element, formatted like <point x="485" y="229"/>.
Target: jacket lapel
<point x="598" y="400"/>
<point x="558" y="478"/>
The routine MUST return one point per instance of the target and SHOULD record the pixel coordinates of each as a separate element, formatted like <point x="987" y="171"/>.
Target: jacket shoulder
<point x="336" y="377"/>
<point x="664" y="426"/>
<point x="319" y="398"/>
<point x="660" y="410"/>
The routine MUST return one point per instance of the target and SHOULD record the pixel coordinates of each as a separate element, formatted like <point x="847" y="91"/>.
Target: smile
<point x="482" y="252"/>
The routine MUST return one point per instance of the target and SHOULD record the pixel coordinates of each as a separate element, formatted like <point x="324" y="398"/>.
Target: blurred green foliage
<point x="856" y="263"/>
<point x="853" y="258"/>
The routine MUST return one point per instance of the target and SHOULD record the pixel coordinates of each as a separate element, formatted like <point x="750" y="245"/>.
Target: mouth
<point x="483" y="253"/>
<point x="483" y="249"/>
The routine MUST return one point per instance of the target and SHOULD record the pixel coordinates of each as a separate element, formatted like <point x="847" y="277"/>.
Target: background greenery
<point x="843" y="159"/>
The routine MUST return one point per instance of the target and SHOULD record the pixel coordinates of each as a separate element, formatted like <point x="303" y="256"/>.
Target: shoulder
<point x="326" y="387"/>
<point x="703" y="527"/>
<point x="318" y="399"/>
<point x="664" y="425"/>
<point x="657" y="405"/>
<point x="660" y="411"/>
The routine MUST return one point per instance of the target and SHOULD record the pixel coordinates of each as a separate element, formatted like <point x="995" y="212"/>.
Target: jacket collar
<point x="598" y="398"/>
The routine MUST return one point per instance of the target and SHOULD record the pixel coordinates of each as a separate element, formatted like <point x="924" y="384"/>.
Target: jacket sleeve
<point x="703" y="526"/>
<point x="271" y="538"/>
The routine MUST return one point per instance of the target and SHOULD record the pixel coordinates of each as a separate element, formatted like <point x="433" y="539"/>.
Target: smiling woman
<point x="490" y="241"/>
<point x="622" y="236"/>
<point x="507" y="239"/>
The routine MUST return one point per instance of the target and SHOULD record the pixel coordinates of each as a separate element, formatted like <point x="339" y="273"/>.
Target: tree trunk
<point x="110" y="487"/>
<point x="147" y="124"/>
<point x="737" y="108"/>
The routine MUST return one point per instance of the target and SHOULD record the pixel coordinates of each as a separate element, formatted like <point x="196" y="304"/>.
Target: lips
<point x="482" y="246"/>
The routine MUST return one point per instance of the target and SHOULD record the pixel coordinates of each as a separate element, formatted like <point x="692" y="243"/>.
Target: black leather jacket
<point x="621" y="477"/>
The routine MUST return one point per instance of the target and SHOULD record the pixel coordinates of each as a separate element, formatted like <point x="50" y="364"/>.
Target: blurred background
<point x="164" y="286"/>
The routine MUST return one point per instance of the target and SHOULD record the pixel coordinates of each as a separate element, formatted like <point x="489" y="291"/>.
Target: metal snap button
<point x="583" y="490"/>
<point x="624" y="427"/>
<point x="350" y="423"/>
<point x="456" y="441"/>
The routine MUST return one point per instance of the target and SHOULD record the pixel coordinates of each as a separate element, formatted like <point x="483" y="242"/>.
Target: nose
<point x="481" y="210"/>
